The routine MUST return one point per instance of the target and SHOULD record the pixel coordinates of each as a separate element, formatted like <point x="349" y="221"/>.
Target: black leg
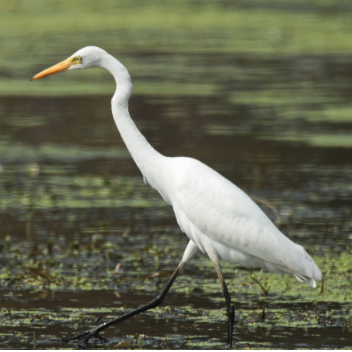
<point x="230" y="308"/>
<point x="152" y="304"/>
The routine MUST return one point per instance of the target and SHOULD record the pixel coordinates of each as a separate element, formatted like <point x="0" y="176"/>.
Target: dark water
<point x="73" y="206"/>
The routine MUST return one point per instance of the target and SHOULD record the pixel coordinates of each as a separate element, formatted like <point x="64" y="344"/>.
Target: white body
<point x="219" y="219"/>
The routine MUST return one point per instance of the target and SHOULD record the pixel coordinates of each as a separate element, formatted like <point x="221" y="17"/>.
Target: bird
<point x="220" y="220"/>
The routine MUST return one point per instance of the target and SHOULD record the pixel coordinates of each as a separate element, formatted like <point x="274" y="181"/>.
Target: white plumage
<point x="219" y="219"/>
<point x="226" y="224"/>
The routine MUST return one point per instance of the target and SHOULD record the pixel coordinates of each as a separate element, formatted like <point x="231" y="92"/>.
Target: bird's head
<point x="89" y="56"/>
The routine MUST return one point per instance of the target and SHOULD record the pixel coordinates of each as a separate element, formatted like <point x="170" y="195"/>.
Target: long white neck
<point x="150" y="162"/>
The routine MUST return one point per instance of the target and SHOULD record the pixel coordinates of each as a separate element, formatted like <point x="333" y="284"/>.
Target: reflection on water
<point x="66" y="178"/>
<point x="66" y="152"/>
<point x="272" y="127"/>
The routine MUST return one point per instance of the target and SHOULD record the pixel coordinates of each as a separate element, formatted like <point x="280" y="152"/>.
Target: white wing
<point x="222" y="220"/>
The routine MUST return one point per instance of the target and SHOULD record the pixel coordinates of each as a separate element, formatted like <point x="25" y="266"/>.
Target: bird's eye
<point x="78" y="58"/>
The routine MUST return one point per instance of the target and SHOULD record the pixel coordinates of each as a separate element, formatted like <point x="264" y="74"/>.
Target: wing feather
<point x="226" y="215"/>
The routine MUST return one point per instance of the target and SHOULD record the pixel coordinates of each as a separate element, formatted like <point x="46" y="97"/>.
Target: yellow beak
<point x="62" y="66"/>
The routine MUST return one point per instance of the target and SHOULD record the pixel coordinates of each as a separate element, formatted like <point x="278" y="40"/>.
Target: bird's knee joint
<point x="158" y="300"/>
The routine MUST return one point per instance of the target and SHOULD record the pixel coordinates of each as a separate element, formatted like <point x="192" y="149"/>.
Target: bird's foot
<point x="86" y="336"/>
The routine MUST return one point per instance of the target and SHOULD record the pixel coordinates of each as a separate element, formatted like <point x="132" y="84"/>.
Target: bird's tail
<point x="305" y="270"/>
<point x="308" y="280"/>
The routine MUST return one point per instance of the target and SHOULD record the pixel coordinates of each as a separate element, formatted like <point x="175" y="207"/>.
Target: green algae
<point x="74" y="224"/>
<point x="16" y="152"/>
<point x="320" y="140"/>
<point x="288" y="305"/>
<point x="66" y="191"/>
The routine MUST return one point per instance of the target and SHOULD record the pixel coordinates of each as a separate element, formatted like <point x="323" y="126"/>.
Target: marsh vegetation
<point x="260" y="91"/>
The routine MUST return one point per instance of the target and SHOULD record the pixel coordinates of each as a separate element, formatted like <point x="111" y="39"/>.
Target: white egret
<point x="220" y="220"/>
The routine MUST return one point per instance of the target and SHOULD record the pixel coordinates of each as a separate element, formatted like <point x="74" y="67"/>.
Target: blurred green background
<point x="258" y="90"/>
<point x="35" y="34"/>
<point x="295" y="54"/>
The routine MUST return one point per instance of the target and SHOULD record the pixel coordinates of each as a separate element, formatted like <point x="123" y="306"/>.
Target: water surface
<point x="83" y="238"/>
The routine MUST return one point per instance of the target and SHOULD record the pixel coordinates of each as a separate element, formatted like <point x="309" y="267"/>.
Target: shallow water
<point x="75" y="206"/>
<point x="82" y="237"/>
